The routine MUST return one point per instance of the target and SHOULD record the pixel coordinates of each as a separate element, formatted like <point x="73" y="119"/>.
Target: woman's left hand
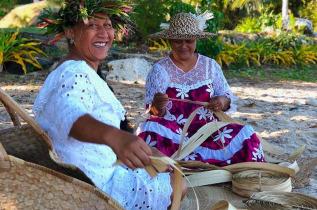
<point x="158" y="153"/>
<point x="219" y="103"/>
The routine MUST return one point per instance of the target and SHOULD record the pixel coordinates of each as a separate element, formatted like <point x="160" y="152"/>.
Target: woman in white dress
<point x="82" y="115"/>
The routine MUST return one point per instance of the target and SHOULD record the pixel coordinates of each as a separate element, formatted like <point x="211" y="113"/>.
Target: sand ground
<point x="268" y="107"/>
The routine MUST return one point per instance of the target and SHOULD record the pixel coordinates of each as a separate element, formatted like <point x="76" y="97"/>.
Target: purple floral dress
<point x="238" y="143"/>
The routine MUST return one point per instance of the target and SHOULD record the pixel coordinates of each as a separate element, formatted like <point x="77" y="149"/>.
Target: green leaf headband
<point x="74" y="11"/>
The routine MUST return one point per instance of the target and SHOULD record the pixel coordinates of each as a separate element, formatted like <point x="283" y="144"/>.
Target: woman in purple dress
<point x="185" y="74"/>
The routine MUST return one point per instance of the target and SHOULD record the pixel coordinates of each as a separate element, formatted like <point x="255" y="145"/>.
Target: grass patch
<point x="307" y="74"/>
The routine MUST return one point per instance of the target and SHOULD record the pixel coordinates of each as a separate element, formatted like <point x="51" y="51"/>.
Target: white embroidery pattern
<point x="168" y="116"/>
<point x="181" y="119"/>
<point x="203" y="113"/>
<point x="210" y="90"/>
<point x="258" y="154"/>
<point x="190" y="157"/>
<point x="148" y="141"/>
<point x="180" y="131"/>
<point x="182" y="93"/>
<point x="224" y="134"/>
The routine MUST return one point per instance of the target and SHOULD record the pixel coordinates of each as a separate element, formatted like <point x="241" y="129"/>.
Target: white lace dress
<point x="237" y="143"/>
<point x="71" y="91"/>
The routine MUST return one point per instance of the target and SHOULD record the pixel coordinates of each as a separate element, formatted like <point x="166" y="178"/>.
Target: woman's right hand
<point x="131" y="150"/>
<point x="159" y="104"/>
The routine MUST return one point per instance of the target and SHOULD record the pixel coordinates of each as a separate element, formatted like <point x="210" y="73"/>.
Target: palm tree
<point x="285" y="16"/>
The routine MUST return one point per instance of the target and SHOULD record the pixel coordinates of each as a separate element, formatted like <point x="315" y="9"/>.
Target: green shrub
<point x="249" y="24"/>
<point x="6" y="6"/>
<point x="258" y="24"/>
<point x="149" y="15"/>
<point x="18" y="50"/>
<point x="309" y="11"/>
<point x="210" y="47"/>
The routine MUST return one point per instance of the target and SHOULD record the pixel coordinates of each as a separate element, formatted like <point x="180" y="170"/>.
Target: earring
<point x="71" y="41"/>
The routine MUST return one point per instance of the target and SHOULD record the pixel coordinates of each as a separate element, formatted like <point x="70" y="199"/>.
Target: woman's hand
<point x="159" y="104"/>
<point x="131" y="150"/>
<point x="158" y="153"/>
<point x="219" y="103"/>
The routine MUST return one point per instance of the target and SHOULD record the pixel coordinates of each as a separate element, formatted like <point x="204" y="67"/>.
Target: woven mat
<point x="211" y="194"/>
<point x="26" y="185"/>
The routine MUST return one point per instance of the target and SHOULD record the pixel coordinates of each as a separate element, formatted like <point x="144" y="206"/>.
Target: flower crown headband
<point x="74" y="11"/>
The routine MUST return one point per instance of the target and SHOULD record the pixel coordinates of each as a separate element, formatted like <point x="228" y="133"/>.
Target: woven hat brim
<point x="168" y="35"/>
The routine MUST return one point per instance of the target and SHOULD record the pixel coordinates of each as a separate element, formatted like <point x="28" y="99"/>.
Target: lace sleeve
<point x="221" y="86"/>
<point x="157" y="81"/>
<point x="74" y="98"/>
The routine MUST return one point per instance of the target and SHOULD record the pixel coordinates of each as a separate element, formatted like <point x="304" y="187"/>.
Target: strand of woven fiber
<point x="246" y="183"/>
<point x="209" y="177"/>
<point x="185" y="128"/>
<point x="266" y="146"/>
<point x="198" y="138"/>
<point x="200" y="178"/>
<point x="6" y="98"/>
<point x="26" y="185"/>
<point x="281" y="201"/>
<point x="193" y="167"/>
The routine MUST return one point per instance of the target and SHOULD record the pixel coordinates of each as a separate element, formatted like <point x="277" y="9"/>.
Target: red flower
<point x="56" y="38"/>
<point x="50" y="20"/>
<point x="43" y="24"/>
<point x="127" y="10"/>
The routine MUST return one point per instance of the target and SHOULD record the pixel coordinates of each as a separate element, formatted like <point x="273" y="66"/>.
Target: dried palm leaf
<point x="198" y="138"/>
<point x="226" y="118"/>
<point x="190" y="101"/>
<point x="246" y="183"/>
<point x="185" y="128"/>
<point x="281" y="200"/>
<point x="209" y="177"/>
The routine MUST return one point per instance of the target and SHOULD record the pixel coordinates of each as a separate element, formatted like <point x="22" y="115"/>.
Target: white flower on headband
<point x="165" y="26"/>
<point x="202" y="18"/>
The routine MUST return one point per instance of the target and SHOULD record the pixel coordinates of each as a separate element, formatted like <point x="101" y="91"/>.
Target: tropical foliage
<point x="283" y="50"/>
<point x="18" y="50"/>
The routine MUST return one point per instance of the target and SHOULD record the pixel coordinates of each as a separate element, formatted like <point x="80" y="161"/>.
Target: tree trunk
<point x="285" y="16"/>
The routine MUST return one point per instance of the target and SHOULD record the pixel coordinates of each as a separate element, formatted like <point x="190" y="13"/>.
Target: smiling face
<point x="183" y="49"/>
<point x="92" y="41"/>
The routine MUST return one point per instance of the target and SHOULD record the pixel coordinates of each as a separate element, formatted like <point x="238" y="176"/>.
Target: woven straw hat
<point x="185" y="26"/>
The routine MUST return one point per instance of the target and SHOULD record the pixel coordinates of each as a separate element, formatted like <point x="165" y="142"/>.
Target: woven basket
<point x="25" y="185"/>
<point x="29" y="142"/>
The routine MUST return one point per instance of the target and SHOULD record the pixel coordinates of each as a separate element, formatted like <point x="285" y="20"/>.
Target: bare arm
<point x="130" y="149"/>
